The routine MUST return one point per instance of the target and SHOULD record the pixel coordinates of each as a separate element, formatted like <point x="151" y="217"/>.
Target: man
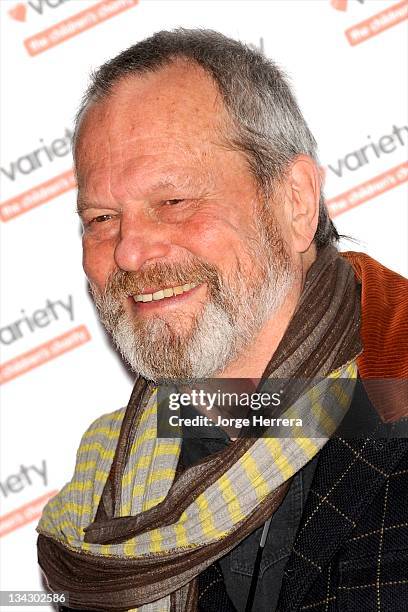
<point x="210" y="253"/>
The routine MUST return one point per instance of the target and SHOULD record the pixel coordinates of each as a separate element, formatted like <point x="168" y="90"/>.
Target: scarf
<point x="131" y="532"/>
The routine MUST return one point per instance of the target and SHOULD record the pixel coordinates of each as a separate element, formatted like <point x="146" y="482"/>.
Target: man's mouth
<point x="165" y="293"/>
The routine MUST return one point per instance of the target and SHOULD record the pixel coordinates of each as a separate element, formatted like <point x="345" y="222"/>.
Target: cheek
<point x="209" y="237"/>
<point x="223" y="243"/>
<point x="97" y="261"/>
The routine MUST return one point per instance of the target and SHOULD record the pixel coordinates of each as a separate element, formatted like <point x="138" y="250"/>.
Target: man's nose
<point x="141" y="239"/>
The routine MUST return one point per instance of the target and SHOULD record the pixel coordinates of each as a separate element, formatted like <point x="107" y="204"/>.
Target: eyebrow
<point x="83" y="205"/>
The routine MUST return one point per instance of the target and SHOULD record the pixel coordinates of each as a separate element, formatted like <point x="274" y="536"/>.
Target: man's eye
<point x="100" y="219"/>
<point x="174" y="201"/>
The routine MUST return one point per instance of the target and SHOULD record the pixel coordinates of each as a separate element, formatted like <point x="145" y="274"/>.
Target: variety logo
<point x="22" y="479"/>
<point x="46" y="153"/>
<point x="29" y="324"/>
<point x="30" y="162"/>
<point x="26" y="476"/>
<point x="19" y="11"/>
<point x="388" y="143"/>
<point x="42" y="317"/>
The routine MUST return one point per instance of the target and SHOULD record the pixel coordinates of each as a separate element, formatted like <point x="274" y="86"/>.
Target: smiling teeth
<point x="164" y="293"/>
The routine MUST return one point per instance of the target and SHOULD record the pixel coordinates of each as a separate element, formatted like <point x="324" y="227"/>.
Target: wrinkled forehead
<point x="176" y="108"/>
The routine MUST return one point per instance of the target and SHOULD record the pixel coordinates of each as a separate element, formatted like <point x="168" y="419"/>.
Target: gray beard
<point x="218" y="335"/>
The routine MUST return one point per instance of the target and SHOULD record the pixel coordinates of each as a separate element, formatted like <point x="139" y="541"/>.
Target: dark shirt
<point x="237" y="565"/>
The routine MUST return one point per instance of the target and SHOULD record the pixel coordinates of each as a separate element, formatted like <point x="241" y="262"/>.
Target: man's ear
<point x="303" y="182"/>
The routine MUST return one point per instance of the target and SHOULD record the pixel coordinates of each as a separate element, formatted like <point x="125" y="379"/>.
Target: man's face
<point x="185" y="263"/>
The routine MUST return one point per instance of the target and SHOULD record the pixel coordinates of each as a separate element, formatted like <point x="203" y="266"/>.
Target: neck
<point x="253" y="361"/>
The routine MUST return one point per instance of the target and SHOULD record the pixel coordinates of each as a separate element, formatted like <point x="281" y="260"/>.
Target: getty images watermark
<point x="219" y="403"/>
<point x="244" y="407"/>
<point x="280" y="408"/>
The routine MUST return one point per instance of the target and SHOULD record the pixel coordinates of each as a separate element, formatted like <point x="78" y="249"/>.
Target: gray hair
<point x="268" y="125"/>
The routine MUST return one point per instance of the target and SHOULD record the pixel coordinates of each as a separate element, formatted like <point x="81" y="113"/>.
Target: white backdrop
<point x="347" y="62"/>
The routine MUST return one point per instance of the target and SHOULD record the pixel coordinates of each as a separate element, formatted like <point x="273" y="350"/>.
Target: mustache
<point x="122" y="284"/>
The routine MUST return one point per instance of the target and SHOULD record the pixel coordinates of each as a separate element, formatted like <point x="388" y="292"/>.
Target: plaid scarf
<point x="129" y="531"/>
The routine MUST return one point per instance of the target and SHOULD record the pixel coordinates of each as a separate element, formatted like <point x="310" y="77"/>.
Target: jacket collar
<point x="384" y="333"/>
